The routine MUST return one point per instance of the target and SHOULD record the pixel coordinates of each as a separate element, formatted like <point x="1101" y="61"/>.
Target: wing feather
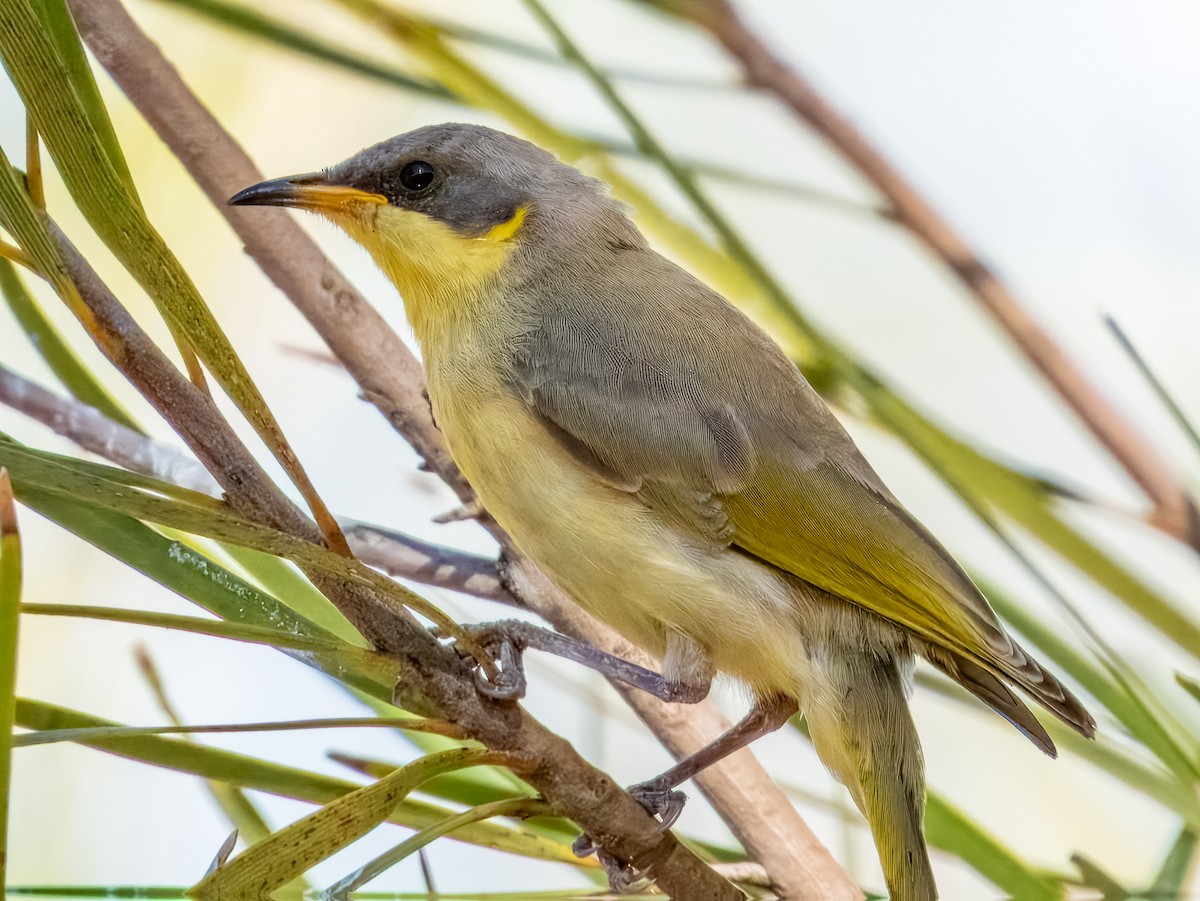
<point x="741" y="432"/>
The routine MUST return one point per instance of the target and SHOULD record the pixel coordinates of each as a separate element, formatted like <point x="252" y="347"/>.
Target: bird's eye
<point x="417" y="175"/>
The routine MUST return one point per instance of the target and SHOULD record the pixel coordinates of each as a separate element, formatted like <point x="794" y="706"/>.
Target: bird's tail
<point x="862" y="730"/>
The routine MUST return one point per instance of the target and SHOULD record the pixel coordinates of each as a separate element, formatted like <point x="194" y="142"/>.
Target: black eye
<point x="417" y="175"/>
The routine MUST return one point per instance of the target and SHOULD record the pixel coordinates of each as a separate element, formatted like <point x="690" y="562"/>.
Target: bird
<point x="657" y="454"/>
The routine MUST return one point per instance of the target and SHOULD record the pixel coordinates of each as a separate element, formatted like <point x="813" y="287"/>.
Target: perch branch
<point x="391" y="379"/>
<point x="1174" y="511"/>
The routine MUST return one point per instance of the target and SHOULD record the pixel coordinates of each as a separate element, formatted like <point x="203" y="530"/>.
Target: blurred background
<point x="1060" y="139"/>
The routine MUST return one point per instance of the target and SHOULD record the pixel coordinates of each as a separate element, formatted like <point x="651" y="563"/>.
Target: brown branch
<point x="1174" y="510"/>
<point x="391" y="379"/>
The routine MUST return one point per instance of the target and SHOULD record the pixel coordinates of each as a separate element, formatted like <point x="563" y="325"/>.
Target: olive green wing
<point x="741" y="432"/>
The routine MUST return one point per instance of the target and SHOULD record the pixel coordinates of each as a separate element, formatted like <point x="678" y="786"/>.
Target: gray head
<point x="469" y="178"/>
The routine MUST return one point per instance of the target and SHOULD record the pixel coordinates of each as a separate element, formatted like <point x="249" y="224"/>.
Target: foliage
<point x="232" y="567"/>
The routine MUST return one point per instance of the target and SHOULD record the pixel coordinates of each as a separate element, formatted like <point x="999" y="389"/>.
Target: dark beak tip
<point x="276" y="192"/>
<point x="244" y="197"/>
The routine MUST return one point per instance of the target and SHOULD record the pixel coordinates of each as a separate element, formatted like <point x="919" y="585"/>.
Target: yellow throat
<point x="441" y="274"/>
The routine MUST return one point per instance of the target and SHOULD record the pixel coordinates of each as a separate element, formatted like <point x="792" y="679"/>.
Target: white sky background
<point x="1062" y="141"/>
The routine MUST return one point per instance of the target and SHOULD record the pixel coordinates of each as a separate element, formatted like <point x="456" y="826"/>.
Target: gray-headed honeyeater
<point x="664" y="462"/>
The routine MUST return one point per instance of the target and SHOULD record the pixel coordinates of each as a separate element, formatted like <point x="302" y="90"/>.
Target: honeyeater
<point x="662" y="460"/>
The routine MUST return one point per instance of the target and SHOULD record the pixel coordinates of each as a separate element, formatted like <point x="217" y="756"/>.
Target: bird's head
<point x="446" y="209"/>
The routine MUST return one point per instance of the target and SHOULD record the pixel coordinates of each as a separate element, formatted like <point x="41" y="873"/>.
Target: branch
<point x="95" y="432"/>
<point x="391" y="379"/>
<point x="1175" y="512"/>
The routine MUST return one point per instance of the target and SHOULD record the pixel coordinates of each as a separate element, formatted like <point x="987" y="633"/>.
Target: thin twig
<point x="406" y="557"/>
<point x="95" y="432"/>
<point x="1174" y="509"/>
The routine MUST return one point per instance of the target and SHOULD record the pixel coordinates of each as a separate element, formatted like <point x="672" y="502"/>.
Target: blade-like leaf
<point x="510" y="807"/>
<point x="295" y="849"/>
<point x="247" y="20"/>
<point x="61" y="27"/>
<point x="949" y="829"/>
<point x="90" y="734"/>
<point x="261" y="775"/>
<point x="113" y="210"/>
<point x="217" y="628"/>
<point x="1170" y="880"/>
<point x="10" y="603"/>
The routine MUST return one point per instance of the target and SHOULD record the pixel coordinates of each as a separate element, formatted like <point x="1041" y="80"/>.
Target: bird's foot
<point x="623" y="877"/>
<point x="502" y="641"/>
<point x="660" y="798"/>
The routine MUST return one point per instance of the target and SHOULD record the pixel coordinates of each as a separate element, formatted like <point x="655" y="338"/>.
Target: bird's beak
<point x="307" y="192"/>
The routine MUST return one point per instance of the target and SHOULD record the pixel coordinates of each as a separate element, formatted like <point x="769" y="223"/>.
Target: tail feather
<point x="981" y="683"/>
<point x="862" y="730"/>
<point x="1028" y="675"/>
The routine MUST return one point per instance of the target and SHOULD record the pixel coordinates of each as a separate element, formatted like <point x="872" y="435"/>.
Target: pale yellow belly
<point x="618" y="559"/>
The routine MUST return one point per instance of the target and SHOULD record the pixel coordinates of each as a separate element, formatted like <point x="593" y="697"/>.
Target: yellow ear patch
<point x="506" y="230"/>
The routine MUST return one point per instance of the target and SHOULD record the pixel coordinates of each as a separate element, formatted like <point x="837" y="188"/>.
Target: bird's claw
<point x="498" y="640"/>
<point x="622" y="876"/>
<point x="661" y="800"/>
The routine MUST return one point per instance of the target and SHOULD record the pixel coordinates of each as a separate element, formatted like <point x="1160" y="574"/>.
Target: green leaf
<point x="261" y="775"/>
<point x="61" y="27"/>
<point x="63" y="362"/>
<point x="510" y="807"/>
<point x="91" y="734"/>
<point x="238" y="631"/>
<point x="114" y="211"/>
<point x="295" y="849"/>
<point x="10" y="602"/>
<point x="252" y="22"/>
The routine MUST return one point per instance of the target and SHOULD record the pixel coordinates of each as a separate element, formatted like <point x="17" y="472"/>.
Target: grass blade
<point x="10" y="602"/>
<point x="91" y="734"/>
<point x="1170" y="879"/>
<point x="238" y="631"/>
<point x="949" y="829"/>
<point x="250" y="21"/>
<point x="261" y="775"/>
<point x="1155" y="383"/>
<point x="61" y="27"/>
<point x="293" y="850"/>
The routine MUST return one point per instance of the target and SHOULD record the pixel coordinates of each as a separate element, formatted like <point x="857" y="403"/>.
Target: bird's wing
<point x="789" y="485"/>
